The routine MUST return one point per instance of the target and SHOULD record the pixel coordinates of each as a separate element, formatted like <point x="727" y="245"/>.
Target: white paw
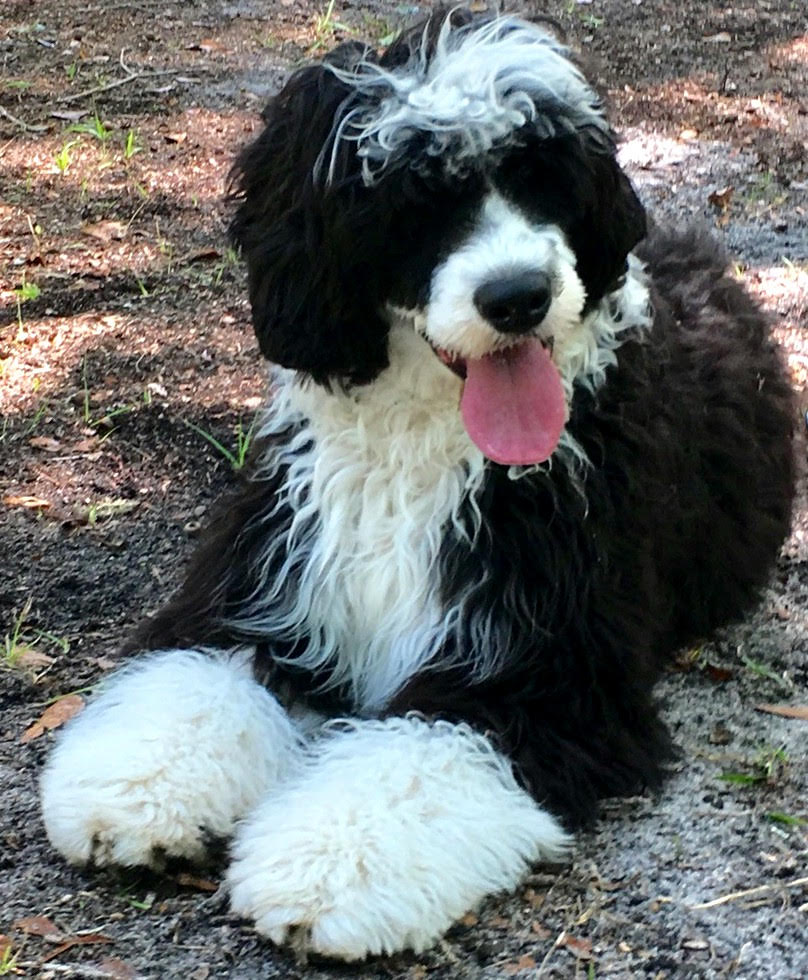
<point x="175" y="748"/>
<point x="392" y="832"/>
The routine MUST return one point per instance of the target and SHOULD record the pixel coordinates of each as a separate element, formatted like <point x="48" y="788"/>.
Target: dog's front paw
<point x="174" y="750"/>
<point x="394" y="830"/>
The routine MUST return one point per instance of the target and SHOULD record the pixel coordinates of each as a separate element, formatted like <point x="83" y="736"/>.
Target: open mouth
<point x="513" y="403"/>
<point x="457" y="364"/>
<point x="452" y="361"/>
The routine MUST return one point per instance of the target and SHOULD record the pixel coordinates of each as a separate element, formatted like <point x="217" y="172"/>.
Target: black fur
<point x="593" y="580"/>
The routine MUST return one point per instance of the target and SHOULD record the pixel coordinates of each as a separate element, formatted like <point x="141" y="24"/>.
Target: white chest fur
<point x="386" y="469"/>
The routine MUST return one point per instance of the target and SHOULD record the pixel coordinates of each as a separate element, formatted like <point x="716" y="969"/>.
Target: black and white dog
<point x="519" y="449"/>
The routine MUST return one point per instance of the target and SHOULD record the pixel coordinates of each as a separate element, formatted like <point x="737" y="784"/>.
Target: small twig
<point x="21" y="123"/>
<point x="117" y="83"/>
<point x="734" y="896"/>
<point x="123" y="64"/>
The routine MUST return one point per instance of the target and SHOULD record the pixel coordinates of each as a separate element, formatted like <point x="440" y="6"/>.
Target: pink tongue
<point x="513" y="404"/>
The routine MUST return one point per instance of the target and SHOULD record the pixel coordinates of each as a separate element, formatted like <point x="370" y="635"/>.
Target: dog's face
<point x="466" y="182"/>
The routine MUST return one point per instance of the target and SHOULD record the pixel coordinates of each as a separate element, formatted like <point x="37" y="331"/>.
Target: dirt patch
<point x="125" y="331"/>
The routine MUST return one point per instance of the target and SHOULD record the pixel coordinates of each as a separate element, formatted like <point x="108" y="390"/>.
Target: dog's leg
<point x="175" y="748"/>
<point x="392" y="831"/>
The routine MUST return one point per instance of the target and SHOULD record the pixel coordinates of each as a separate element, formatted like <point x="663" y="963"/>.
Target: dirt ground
<point x="125" y="331"/>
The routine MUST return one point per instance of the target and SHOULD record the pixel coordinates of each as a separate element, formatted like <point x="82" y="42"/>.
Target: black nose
<point x="517" y="303"/>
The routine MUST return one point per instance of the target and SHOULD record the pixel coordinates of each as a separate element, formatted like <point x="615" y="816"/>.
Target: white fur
<point x="180" y="744"/>
<point x="374" y="477"/>
<point x="392" y="832"/>
<point x="478" y="89"/>
<point x="503" y="242"/>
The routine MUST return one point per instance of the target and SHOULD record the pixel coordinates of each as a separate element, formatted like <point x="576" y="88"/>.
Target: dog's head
<point x="466" y="179"/>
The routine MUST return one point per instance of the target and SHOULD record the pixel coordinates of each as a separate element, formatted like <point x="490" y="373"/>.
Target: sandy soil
<point x="124" y="325"/>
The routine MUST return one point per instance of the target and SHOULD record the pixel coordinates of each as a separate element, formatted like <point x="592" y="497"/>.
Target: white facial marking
<point x="503" y="243"/>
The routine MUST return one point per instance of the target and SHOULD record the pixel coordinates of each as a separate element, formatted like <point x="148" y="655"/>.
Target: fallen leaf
<point x="720" y="200"/>
<point x="46" y="443"/>
<point x="210" y="45"/>
<point x="469" y="919"/>
<point x="105" y="231"/>
<point x="580" y="948"/>
<point x="175" y="137"/>
<point x="799" y="711"/>
<point x="188" y="880"/>
<point x="86" y="939"/>
<point x="38" y="925"/>
<point x="5" y="945"/>
<point x="32" y="658"/>
<point x="85" y="445"/>
<point x="526" y="962"/>
<point x="118" y="969"/>
<point x="718" y="675"/>
<point x="54" y="716"/>
<point x="26" y="500"/>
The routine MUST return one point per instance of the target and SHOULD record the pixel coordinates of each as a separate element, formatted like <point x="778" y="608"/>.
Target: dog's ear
<point x="307" y="232"/>
<point x="613" y="223"/>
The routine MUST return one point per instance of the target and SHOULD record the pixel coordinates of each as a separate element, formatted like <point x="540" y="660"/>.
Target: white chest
<point x="386" y="472"/>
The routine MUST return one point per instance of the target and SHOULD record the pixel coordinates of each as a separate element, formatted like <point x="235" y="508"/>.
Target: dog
<point x="521" y="447"/>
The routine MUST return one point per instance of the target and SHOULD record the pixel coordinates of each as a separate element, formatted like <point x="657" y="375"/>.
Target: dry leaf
<point x="718" y="675"/>
<point x="85" y="445"/>
<point x="469" y="919"/>
<point x="580" y="948"/>
<point x="210" y="45"/>
<point x="38" y="925"/>
<point x="32" y="659"/>
<point x="526" y="962"/>
<point x="5" y="945"/>
<point x="720" y="199"/>
<point x="26" y="500"/>
<point x="46" y="443"/>
<point x="86" y="939"/>
<point x="799" y="711"/>
<point x="175" y="137"/>
<point x="54" y="716"/>
<point x="105" y="231"/>
<point x="194" y="881"/>
<point x="118" y="969"/>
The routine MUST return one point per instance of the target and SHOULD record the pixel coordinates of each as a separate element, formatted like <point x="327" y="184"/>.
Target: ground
<point x="125" y="348"/>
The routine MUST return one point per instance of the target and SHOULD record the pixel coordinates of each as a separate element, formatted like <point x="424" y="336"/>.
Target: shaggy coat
<point x="484" y="605"/>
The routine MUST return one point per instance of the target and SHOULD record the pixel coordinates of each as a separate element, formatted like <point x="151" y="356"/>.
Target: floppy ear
<point x="306" y="229"/>
<point x="613" y="223"/>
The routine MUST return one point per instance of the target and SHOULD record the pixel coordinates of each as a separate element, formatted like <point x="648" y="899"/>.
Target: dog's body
<point x="519" y="451"/>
